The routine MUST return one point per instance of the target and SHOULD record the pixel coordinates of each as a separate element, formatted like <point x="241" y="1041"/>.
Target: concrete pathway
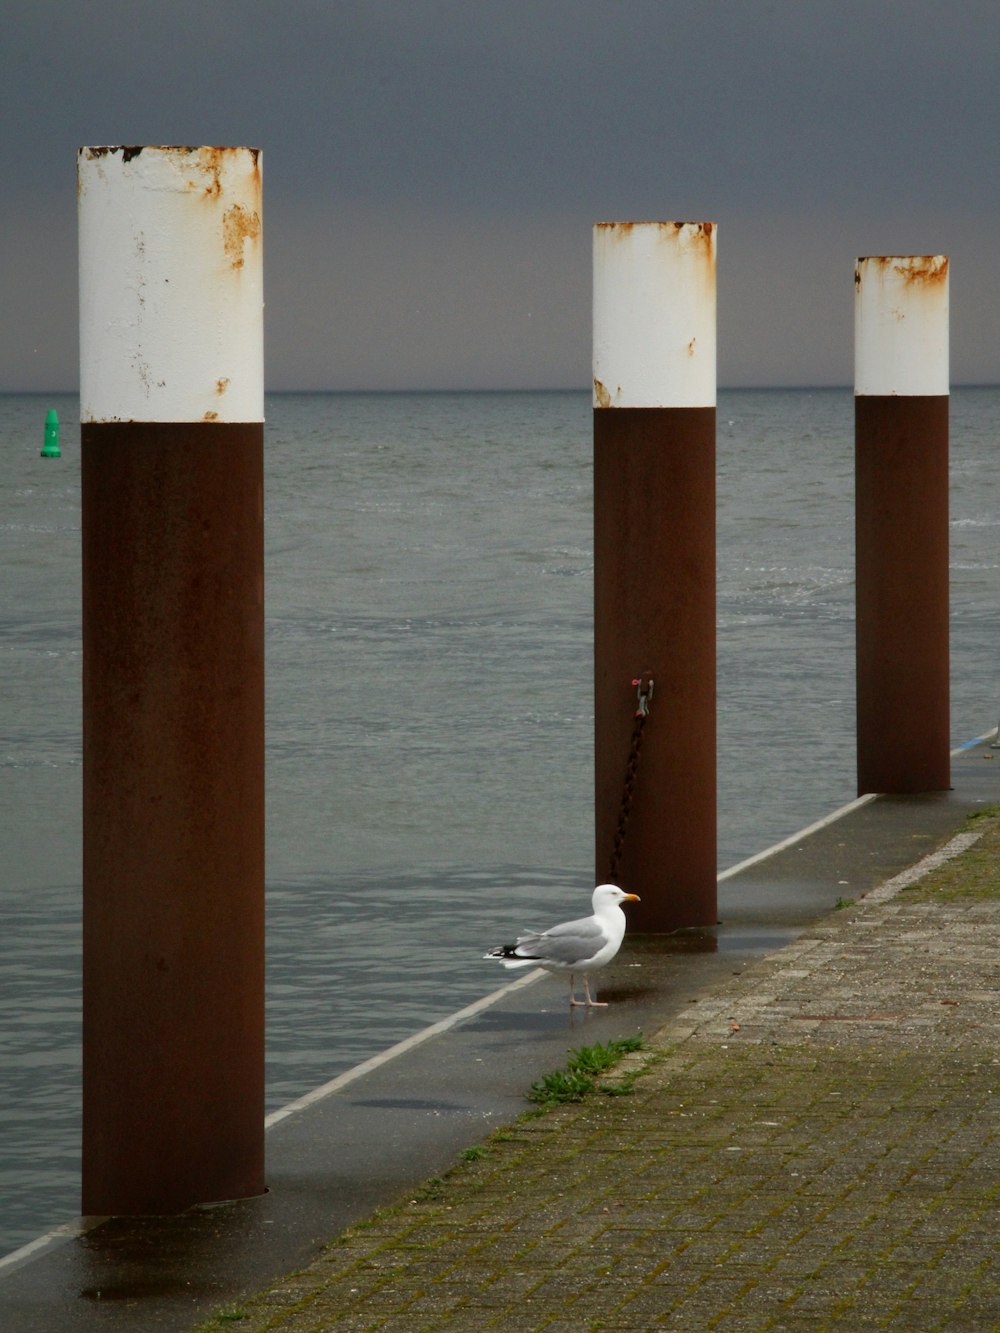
<point x="811" y="1144"/>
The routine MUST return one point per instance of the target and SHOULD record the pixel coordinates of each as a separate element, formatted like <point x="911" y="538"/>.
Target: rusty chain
<point x="644" y="691"/>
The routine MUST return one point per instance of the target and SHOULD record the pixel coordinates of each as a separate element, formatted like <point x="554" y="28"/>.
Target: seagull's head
<point x="606" y="894"/>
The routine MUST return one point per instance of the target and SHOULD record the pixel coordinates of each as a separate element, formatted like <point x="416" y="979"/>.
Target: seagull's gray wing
<point x="567" y="943"/>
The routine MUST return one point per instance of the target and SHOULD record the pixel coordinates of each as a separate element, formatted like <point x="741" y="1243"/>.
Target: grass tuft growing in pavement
<point x="583" y="1069"/>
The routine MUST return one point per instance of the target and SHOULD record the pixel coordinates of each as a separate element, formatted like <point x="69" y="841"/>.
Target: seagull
<point x="574" y="946"/>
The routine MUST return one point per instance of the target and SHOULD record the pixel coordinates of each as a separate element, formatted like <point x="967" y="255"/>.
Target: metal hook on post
<point x="644" y="693"/>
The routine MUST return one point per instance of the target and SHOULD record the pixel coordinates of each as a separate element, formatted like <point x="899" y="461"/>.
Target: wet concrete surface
<point x="367" y="1143"/>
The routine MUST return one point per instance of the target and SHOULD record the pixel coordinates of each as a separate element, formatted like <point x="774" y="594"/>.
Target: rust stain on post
<point x="255" y="154"/>
<point x="924" y="270"/>
<point x="701" y="232"/>
<point x="927" y="270"/>
<point x="618" y="230"/>
<point x="601" y="393"/>
<point x="239" y="225"/>
<point x="106" y="150"/>
<point x="700" y="239"/>
<point x="212" y="161"/>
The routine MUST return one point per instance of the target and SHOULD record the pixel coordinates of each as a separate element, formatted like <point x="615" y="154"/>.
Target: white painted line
<point x="977" y="740"/>
<point x="57" y="1236"/>
<point x="401" y="1047"/>
<point x="798" y="837"/>
<point x="837" y="814"/>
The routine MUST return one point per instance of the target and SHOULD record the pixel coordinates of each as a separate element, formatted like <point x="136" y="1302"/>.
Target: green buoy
<point x="50" y="449"/>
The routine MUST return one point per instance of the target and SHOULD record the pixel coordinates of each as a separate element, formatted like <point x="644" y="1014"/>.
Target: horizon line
<point x="583" y="389"/>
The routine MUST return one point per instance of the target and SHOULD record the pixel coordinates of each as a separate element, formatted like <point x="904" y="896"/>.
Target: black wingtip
<point x="504" y="951"/>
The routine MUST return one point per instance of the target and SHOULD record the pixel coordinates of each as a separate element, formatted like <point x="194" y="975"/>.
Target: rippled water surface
<point x="429" y="567"/>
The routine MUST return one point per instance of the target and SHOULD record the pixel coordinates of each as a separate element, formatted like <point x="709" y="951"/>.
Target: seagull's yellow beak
<point x="632" y="898"/>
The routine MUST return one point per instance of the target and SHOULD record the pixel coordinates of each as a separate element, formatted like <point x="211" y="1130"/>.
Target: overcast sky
<point x="432" y="169"/>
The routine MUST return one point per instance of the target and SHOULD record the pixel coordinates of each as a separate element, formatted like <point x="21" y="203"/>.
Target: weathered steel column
<point x="171" y="325"/>
<point x="901" y="456"/>
<point x="654" y="562"/>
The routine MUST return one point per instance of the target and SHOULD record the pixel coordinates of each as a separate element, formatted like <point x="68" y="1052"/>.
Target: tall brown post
<point x="901" y="517"/>
<point x="173" y="677"/>
<point x="654" y="560"/>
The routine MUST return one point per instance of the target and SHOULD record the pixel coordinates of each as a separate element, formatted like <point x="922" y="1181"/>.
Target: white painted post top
<point x="654" y="314"/>
<point x="171" y="284"/>
<point x="901" y="325"/>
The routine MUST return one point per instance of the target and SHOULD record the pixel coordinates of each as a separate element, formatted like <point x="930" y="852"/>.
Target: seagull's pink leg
<point x="573" y="1001"/>
<point x="591" y="1003"/>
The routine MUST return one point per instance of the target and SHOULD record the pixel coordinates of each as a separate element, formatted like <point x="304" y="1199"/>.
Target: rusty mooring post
<point x="654" y="563"/>
<point x="901" y="514"/>
<point x="171" y="387"/>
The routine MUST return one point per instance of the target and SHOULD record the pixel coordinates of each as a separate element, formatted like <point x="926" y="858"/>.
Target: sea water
<point x="429" y="708"/>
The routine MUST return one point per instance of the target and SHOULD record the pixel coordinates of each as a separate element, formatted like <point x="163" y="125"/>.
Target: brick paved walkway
<point x="814" y="1146"/>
